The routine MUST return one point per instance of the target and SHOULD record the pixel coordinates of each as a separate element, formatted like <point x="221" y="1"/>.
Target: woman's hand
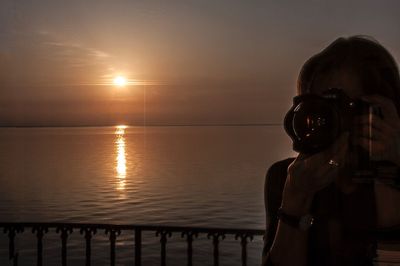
<point x="380" y="136"/>
<point x="309" y="174"/>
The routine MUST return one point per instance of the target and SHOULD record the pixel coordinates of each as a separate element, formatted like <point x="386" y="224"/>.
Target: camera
<point x="314" y="122"/>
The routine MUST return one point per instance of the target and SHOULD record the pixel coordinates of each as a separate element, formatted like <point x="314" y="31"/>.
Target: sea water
<point x="209" y="176"/>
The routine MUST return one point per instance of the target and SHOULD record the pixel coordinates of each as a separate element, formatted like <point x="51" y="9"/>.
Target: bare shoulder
<point x="387" y="205"/>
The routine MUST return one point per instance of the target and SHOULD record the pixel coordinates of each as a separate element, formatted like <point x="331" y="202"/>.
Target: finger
<point x="298" y="163"/>
<point x="317" y="168"/>
<point x="373" y="122"/>
<point x="339" y="157"/>
<point x="326" y="174"/>
<point x="364" y="143"/>
<point x="340" y="144"/>
<point x="375" y="148"/>
<point x="338" y="147"/>
<point x="387" y="105"/>
<point x="302" y="156"/>
<point x="371" y="119"/>
<point x="365" y="131"/>
<point x="336" y="152"/>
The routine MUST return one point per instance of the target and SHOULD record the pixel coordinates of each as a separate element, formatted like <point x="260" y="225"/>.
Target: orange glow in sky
<point x="72" y="63"/>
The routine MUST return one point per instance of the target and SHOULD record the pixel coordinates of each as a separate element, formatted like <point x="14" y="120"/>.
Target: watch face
<point x="306" y="221"/>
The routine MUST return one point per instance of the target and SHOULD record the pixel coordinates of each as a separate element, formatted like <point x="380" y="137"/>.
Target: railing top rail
<point x="135" y="226"/>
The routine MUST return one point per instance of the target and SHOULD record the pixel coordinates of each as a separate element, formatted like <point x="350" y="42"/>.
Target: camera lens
<point x="313" y="126"/>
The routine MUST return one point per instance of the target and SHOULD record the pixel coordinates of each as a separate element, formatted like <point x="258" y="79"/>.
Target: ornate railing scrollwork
<point x="243" y="242"/>
<point x="89" y="232"/>
<point x="12" y="231"/>
<point x="216" y="238"/>
<point x="189" y="239"/>
<point x="113" y="236"/>
<point x="65" y="231"/>
<point x="114" y="230"/>
<point x="163" y="233"/>
<point x="40" y="231"/>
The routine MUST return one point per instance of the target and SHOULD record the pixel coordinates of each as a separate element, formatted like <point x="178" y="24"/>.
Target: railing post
<point x="163" y="240"/>
<point x="243" y="242"/>
<point x="216" y="237"/>
<point x="15" y="260"/>
<point x="189" y="238"/>
<point x="138" y="246"/>
<point x="89" y="231"/>
<point x="65" y="230"/>
<point x="12" y="231"/>
<point x="113" y="236"/>
<point x="40" y="231"/>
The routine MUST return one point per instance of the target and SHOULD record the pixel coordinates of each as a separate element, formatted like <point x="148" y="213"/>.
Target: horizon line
<point x="148" y="125"/>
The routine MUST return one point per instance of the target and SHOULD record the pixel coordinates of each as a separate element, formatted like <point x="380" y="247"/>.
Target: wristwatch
<point x="303" y="222"/>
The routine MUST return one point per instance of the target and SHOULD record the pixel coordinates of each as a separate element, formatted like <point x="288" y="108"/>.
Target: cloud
<point x="42" y="58"/>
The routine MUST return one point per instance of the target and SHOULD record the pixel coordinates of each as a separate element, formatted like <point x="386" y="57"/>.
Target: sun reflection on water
<point x="121" y="157"/>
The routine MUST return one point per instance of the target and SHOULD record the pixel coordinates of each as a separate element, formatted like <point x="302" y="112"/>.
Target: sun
<point x="120" y="81"/>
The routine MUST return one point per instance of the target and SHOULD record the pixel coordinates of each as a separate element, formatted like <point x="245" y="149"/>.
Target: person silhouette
<point x="316" y="213"/>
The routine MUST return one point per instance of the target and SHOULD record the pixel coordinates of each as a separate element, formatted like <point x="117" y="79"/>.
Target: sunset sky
<point x="186" y="62"/>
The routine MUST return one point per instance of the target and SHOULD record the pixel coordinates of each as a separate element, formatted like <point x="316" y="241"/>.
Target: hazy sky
<point x="189" y="61"/>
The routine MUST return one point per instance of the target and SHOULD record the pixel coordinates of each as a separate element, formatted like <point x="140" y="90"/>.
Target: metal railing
<point x="113" y="231"/>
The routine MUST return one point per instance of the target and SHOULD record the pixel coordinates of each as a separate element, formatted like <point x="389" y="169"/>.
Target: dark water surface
<point x="189" y="176"/>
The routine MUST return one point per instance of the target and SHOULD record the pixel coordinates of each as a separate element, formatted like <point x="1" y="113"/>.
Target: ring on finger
<point x="333" y="163"/>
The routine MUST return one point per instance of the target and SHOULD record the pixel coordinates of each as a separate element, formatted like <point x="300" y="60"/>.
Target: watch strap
<point x="303" y="222"/>
<point x="291" y="220"/>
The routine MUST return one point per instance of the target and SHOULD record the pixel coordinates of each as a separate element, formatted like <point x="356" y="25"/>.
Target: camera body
<point x="314" y="122"/>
